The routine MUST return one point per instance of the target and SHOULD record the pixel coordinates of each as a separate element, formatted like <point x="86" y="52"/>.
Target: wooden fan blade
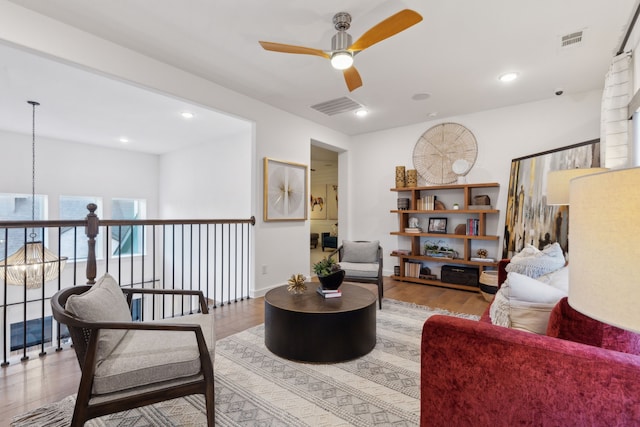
<point x="387" y="28"/>
<point x="352" y="78"/>
<point x="287" y="48"/>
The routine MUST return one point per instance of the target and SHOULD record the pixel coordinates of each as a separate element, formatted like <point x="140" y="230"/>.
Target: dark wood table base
<point x="310" y="328"/>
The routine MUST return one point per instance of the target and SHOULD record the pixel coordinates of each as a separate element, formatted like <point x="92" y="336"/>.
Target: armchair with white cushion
<point x="127" y="364"/>
<point x="362" y="263"/>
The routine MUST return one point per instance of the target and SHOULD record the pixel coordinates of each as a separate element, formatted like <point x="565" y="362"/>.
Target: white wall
<point x="211" y="180"/>
<point x="72" y="169"/>
<point x="282" y="246"/>
<point x="502" y="135"/>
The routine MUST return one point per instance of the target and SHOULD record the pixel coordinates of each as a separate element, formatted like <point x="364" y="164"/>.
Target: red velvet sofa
<point x="477" y="374"/>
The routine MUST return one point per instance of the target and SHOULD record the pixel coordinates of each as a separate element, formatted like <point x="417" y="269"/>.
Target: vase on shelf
<point x="400" y="177"/>
<point x="412" y="178"/>
<point x="332" y="281"/>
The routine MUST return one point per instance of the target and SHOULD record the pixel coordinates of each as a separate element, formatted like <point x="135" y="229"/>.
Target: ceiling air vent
<point x="571" y="40"/>
<point x="337" y="106"/>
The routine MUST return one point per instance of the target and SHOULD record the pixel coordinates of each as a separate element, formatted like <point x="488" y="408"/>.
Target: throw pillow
<point x="360" y="251"/>
<point x="559" y="279"/>
<point x="499" y="309"/>
<point x="524" y="288"/>
<point x="568" y="324"/>
<point x="104" y="302"/>
<point x="524" y="303"/>
<point x="533" y="262"/>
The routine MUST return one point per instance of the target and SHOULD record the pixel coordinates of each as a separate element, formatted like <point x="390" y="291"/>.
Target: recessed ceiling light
<point x="508" y="77"/>
<point x="362" y="112"/>
<point x="124" y="140"/>
<point x="421" y="96"/>
<point x="187" y="115"/>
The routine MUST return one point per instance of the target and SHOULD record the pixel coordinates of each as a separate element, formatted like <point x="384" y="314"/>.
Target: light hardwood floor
<point x="41" y="380"/>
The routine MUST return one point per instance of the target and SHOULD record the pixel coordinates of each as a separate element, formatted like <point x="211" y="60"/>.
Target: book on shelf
<point x="412" y="269"/>
<point x="473" y="227"/>
<point x="426" y="203"/>
<point x="397" y="252"/>
<point x="329" y="293"/>
<point x="478" y="259"/>
<point x="412" y="230"/>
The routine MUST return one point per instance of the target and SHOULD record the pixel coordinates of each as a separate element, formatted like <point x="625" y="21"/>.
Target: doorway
<point x="323" y="210"/>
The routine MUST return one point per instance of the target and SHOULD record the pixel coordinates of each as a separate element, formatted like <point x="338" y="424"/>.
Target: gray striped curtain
<point x="615" y="141"/>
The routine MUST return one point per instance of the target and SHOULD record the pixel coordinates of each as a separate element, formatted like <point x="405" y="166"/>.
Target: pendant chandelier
<point x="33" y="264"/>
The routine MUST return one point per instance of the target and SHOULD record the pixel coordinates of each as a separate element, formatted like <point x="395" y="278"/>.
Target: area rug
<point x="256" y="388"/>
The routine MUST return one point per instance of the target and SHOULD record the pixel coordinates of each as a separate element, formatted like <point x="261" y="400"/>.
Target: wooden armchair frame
<point x="85" y="342"/>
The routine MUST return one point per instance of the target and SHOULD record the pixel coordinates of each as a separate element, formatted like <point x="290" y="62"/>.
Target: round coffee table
<point x="310" y="328"/>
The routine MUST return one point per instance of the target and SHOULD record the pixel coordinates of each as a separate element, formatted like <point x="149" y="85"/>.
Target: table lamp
<point x="604" y="272"/>
<point x="558" y="183"/>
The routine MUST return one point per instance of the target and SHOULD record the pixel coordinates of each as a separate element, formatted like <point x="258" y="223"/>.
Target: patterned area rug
<point x="256" y="388"/>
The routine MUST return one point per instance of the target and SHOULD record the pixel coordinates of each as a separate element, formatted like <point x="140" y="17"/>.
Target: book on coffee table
<point x="329" y="293"/>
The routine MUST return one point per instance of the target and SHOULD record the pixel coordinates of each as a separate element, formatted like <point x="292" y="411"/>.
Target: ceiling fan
<point x="342" y="50"/>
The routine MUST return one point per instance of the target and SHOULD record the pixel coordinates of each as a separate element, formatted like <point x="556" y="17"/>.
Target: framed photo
<point x="437" y="225"/>
<point x="285" y="191"/>
<point x="529" y="220"/>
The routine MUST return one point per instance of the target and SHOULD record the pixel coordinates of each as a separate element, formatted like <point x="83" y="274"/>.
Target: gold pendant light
<point x="33" y="264"/>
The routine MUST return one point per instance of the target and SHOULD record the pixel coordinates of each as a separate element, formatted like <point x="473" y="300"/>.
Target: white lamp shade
<point x="558" y="183"/>
<point x="604" y="272"/>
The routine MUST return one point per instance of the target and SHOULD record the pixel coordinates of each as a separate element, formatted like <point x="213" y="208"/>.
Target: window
<point x="136" y="310"/>
<point x="17" y="207"/>
<point x="72" y="207"/>
<point x="35" y="334"/>
<point x="127" y="240"/>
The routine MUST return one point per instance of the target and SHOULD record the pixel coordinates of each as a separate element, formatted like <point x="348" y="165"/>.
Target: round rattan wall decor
<point x="438" y="149"/>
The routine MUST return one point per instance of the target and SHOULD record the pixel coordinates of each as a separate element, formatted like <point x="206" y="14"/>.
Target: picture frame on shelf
<point x="285" y="191"/>
<point x="437" y="225"/>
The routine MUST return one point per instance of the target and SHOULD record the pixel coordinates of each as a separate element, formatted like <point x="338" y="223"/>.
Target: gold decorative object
<point x="297" y="283"/>
<point x="482" y="253"/>
<point x="412" y="178"/>
<point x="400" y="178"/>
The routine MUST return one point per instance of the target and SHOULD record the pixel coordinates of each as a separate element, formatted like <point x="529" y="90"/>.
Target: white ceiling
<point x="76" y="105"/>
<point x="455" y="55"/>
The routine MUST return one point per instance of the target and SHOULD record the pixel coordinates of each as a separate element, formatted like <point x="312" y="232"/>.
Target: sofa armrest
<point x="502" y="271"/>
<point x="473" y="373"/>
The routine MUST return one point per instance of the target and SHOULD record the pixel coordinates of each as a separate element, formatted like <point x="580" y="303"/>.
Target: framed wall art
<point x="318" y="201"/>
<point x="332" y="201"/>
<point x="285" y="191"/>
<point x="529" y="220"/>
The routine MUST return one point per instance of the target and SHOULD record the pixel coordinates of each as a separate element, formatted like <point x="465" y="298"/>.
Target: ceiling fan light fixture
<point x="342" y="60"/>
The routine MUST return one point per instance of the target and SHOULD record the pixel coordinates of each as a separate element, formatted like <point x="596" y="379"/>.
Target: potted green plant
<point x="329" y="273"/>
